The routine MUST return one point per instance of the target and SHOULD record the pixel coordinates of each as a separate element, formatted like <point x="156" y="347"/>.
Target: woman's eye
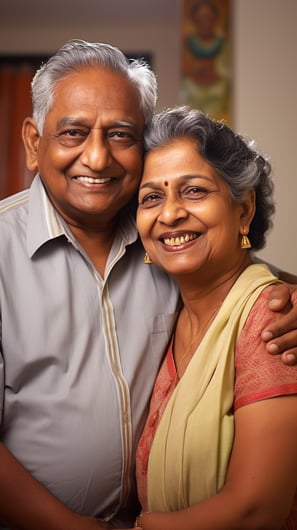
<point x="195" y="192"/>
<point x="150" y="198"/>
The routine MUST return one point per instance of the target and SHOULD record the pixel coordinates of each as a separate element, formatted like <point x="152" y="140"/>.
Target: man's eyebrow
<point x="68" y="121"/>
<point x="121" y="123"/>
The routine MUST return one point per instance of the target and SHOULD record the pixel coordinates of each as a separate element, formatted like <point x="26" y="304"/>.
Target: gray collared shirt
<point x="79" y="353"/>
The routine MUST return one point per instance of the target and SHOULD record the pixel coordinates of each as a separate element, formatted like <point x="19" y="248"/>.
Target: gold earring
<point x="146" y="259"/>
<point x="245" y="242"/>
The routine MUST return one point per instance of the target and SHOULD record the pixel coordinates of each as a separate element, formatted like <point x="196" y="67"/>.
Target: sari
<point x="193" y="442"/>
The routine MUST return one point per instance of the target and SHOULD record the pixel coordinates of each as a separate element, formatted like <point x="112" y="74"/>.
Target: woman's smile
<point x="178" y="240"/>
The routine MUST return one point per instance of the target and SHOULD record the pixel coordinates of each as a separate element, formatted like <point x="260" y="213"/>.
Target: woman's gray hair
<point x="235" y="158"/>
<point x="78" y="54"/>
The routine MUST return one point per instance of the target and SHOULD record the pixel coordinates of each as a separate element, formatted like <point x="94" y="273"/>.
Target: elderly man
<point x="84" y="322"/>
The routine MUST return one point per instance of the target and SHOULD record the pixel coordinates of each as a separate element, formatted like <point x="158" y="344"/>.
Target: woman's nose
<point x="172" y="211"/>
<point x="96" y="153"/>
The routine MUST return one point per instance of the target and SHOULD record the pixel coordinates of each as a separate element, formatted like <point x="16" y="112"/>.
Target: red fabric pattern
<point x="258" y="376"/>
<point x="165" y="384"/>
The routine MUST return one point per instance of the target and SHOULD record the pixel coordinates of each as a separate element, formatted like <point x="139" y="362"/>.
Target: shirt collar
<point x="45" y="223"/>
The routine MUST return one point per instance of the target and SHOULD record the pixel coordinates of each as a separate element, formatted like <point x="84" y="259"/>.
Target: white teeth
<point x="89" y="180"/>
<point x="175" y="241"/>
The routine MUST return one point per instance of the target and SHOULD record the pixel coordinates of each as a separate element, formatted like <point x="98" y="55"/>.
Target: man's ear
<point x="31" y="138"/>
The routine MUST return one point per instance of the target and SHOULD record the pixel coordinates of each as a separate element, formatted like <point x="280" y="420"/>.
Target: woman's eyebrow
<point x="150" y="184"/>
<point x="185" y="178"/>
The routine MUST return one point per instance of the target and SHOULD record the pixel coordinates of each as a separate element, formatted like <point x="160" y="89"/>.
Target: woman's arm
<point x="262" y="476"/>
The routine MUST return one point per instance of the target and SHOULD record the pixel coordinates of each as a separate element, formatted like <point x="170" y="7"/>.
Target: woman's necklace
<point x="182" y="364"/>
<point x="185" y="356"/>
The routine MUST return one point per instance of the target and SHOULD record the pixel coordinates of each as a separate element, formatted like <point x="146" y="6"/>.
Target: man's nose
<point x="96" y="153"/>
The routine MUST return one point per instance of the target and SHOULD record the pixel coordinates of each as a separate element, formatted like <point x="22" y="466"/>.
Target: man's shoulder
<point x="13" y="204"/>
<point x="13" y="223"/>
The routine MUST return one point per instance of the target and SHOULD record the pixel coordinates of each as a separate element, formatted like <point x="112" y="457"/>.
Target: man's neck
<point x="96" y="243"/>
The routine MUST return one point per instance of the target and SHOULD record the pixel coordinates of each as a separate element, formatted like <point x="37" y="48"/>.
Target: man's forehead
<point x="112" y="98"/>
<point x="95" y="77"/>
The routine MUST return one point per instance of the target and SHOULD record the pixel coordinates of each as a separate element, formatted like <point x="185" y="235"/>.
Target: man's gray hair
<point x="77" y="54"/>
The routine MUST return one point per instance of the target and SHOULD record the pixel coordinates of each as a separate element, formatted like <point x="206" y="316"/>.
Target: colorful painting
<point x="206" y="77"/>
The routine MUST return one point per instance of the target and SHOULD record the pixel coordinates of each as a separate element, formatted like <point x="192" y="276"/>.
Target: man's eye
<point x="73" y="133"/>
<point x="119" y="134"/>
<point x="71" y="137"/>
<point x="122" y="136"/>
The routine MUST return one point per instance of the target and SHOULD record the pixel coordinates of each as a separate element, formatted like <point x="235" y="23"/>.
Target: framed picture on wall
<point x="206" y="69"/>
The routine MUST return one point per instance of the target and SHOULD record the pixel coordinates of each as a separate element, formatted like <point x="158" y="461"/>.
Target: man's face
<point x="90" y="153"/>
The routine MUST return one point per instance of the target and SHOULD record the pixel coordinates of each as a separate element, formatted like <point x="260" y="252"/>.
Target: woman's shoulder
<point x="259" y="375"/>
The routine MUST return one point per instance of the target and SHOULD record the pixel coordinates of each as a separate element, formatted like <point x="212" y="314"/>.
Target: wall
<point x="266" y="108"/>
<point x="265" y="77"/>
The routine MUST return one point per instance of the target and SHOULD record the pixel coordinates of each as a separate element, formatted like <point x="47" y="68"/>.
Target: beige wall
<point x="266" y="106"/>
<point x="265" y="80"/>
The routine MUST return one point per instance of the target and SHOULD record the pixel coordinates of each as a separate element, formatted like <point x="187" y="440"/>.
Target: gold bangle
<point x="138" y="520"/>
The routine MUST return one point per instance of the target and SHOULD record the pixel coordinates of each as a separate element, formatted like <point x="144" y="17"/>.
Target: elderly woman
<point x="218" y="451"/>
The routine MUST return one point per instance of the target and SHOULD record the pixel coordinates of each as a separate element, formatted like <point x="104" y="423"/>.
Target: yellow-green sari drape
<point x="193" y="442"/>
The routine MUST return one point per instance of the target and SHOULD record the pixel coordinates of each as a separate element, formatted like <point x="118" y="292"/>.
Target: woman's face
<point x="186" y="217"/>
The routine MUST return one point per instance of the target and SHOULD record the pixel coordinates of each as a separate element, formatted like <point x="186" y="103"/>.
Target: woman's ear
<point x="31" y="139"/>
<point x="248" y="208"/>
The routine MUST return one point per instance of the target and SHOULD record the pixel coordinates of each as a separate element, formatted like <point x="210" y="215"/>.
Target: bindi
<point x="165" y="182"/>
